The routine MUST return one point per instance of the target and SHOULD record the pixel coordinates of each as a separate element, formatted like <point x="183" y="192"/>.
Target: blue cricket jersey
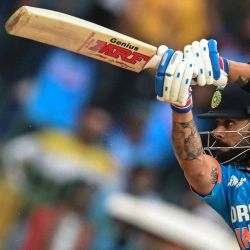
<point x="230" y="197"/>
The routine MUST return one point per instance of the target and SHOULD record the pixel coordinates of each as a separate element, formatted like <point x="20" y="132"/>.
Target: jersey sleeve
<point x="217" y="199"/>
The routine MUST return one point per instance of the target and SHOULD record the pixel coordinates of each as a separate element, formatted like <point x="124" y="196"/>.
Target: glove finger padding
<point x="209" y="67"/>
<point x="170" y="74"/>
<point x="188" y="53"/>
<point x="185" y="84"/>
<point x="219" y="64"/>
<point x="201" y="79"/>
<point x="214" y="57"/>
<point x="161" y="50"/>
<point x="206" y="61"/>
<point x="173" y="80"/>
<point x="160" y="74"/>
<point x="177" y="79"/>
<point x="224" y="69"/>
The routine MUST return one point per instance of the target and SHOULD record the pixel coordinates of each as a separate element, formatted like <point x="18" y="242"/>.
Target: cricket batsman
<point x="221" y="179"/>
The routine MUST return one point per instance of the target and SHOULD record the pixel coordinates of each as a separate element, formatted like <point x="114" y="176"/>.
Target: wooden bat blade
<point x="82" y="37"/>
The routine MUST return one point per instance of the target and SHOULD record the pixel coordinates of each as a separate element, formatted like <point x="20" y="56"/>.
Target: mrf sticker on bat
<point x="115" y="51"/>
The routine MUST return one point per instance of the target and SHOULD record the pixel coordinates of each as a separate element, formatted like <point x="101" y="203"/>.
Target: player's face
<point x="230" y="132"/>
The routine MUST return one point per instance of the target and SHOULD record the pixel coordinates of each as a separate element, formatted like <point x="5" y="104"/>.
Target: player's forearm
<point x="199" y="168"/>
<point x="239" y="72"/>
<point x="186" y="140"/>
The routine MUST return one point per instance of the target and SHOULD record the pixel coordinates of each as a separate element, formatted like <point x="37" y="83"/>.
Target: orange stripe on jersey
<point x="237" y="232"/>
<point x="219" y="172"/>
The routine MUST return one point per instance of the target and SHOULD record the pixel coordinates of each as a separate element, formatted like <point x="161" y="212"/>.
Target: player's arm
<point x="200" y="169"/>
<point x="240" y="74"/>
<point x="173" y="80"/>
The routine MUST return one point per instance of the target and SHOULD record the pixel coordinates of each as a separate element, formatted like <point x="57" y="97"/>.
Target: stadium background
<point x="75" y="132"/>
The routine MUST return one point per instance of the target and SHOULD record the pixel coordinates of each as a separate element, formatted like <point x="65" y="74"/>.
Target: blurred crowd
<point x="74" y="131"/>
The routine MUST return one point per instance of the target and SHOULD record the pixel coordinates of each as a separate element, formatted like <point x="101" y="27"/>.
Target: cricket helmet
<point x="230" y="102"/>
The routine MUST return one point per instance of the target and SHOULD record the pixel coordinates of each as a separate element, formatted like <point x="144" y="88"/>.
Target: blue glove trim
<point x="160" y="74"/>
<point x="165" y="61"/>
<point x="159" y="82"/>
<point x="213" y="54"/>
<point x="226" y="65"/>
<point x="182" y="110"/>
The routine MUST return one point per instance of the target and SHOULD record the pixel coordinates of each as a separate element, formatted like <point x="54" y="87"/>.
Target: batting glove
<point x="173" y="78"/>
<point x="210" y="67"/>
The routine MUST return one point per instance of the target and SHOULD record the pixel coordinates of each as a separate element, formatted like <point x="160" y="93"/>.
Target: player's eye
<point x="228" y="124"/>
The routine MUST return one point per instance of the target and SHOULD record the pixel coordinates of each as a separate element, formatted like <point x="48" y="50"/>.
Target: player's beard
<point x="236" y="154"/>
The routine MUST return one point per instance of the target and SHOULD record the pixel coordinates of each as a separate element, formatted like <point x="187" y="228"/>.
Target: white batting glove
<point x="209" y="67"/>
<point x="173" y="78"/>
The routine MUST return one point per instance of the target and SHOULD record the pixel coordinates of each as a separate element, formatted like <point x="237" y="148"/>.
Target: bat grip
<point x="153" y="63"/>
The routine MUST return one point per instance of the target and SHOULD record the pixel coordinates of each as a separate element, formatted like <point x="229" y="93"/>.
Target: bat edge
<point x="17" y="20"/>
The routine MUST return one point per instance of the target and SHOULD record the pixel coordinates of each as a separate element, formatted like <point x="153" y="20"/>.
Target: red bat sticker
<point x="117" y="52"/>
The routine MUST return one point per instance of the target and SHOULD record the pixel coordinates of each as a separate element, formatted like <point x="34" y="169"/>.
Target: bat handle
<point x="153" y="63"/>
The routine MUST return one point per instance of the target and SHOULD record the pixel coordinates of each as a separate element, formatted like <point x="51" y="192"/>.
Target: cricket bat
<point x="82" y="37"/>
